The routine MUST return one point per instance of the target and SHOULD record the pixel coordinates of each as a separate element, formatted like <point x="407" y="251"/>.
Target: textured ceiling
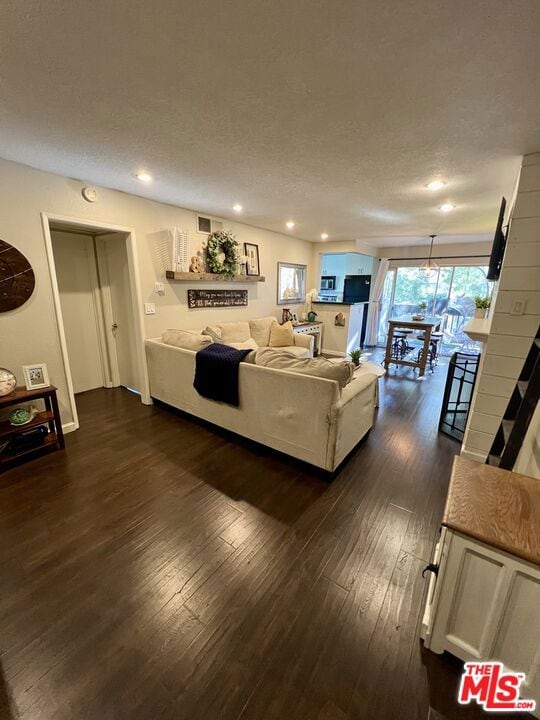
<point x="334" y="113"/>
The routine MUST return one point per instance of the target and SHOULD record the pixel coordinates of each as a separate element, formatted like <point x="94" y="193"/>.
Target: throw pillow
<point x="260" y="330"/>
<point x="234" y="331"/>
<point x="186" y="340"/>
<point x="213" y="333"/>
<point x="281" y="335"/>
<point x="342" y="372"/>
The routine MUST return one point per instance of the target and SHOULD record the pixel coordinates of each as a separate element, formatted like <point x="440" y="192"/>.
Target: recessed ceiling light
<point x="237" y="208"/>
<point x="290" y="224"/>
<point x="324" y="236"/>
<point x="435" y="185"/>
<point x="447" y="207"/>
<point x="144" y="177"/>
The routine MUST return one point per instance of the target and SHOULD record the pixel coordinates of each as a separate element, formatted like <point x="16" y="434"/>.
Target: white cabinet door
<point x="487" y="608"/>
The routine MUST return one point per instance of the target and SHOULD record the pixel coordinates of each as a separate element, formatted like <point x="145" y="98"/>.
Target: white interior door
<point x="77" y="285"/>
<point x="118" y="308"/>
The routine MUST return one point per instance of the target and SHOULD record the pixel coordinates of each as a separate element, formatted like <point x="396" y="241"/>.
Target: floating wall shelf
<point x="211" y="277"/>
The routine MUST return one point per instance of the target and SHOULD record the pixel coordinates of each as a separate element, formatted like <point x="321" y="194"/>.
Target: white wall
<point x="30" y="333"/>
<point x="510" y="336"/>
<point x="76" y="274"/>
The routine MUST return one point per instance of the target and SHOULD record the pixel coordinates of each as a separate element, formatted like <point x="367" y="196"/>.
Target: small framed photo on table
<point x="252" y="253"/>
<point x="36" y="376"/>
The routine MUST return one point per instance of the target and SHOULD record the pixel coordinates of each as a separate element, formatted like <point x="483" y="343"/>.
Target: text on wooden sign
<point x="216" y="298"/>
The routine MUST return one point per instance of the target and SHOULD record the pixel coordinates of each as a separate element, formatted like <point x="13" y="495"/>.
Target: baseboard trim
<point x="472" y="455"/>
<point x="69" y="427"/>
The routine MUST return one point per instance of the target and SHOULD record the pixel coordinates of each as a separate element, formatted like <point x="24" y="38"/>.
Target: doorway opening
<point x="97" y="300"/>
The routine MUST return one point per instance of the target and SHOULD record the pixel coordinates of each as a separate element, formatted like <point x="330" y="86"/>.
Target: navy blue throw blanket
<point x="216" y="372"/>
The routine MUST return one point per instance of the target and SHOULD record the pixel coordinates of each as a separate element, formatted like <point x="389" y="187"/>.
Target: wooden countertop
<point x="497" y="507"/>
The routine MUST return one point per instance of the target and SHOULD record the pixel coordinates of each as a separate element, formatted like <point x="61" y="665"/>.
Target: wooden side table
<point x="311" y="328"/>
<point x="50" y="417"/>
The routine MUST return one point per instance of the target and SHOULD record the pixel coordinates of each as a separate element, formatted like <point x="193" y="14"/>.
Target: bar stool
<point x="433" y="351"/>
<point x="407" y="331"/>
<point x="399" y="345"/>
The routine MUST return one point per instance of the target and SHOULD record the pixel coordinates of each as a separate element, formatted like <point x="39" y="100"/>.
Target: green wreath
<point x="222" y="242"/>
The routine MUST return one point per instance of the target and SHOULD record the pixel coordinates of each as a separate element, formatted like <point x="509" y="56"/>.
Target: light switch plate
<point x="518" y="306"/>
<point x="149" y="309"/>
<point x="159" y="288"/>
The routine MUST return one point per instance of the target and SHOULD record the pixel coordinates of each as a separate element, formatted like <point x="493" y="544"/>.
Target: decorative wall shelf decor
<point x="180" y="247"/>
<point x="212" y="277"/>
<point x="217" y="298"/>
<point x="17" y="279"/>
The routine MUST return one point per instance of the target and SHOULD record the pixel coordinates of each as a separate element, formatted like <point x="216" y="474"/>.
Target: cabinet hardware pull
<point x="432" y="567"/>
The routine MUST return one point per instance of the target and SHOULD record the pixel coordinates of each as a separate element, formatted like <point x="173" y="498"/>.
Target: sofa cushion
<point x="234" y="331"/>
<point x="319" y="367"/>
<point x="186" y="339"/>
<point x="296" y="350"/>
<point x="260" y="330"/>
<point x="281" y="335"/>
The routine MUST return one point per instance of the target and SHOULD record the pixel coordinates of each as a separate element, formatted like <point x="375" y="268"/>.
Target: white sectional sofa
<point x="306" y="417"/>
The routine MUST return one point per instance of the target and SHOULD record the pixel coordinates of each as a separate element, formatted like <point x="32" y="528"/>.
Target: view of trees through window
<point x="449" y="294"/>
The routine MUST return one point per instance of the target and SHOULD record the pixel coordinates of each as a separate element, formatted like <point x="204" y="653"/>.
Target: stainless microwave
<point x="328" y="282"/>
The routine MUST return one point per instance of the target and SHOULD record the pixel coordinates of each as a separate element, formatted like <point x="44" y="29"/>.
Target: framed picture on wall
<point x="36" y="376"/>
<point x="252" y="253"/>
<point x="291" y="283"/>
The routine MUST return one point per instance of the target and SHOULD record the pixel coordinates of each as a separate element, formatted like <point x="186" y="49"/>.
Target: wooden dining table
<point x="425" y="326"/>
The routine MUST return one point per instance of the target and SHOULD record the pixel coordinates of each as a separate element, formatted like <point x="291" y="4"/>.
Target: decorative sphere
<point x="8" y="382"/>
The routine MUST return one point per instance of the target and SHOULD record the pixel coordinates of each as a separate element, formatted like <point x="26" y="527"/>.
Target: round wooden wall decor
<point x="17" y="280"/>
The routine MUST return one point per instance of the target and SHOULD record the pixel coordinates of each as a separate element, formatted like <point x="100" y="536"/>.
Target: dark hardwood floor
<point x="159" y="568"/>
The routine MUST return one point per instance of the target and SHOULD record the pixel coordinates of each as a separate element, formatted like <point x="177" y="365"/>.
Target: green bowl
<point x="20" y="416"/>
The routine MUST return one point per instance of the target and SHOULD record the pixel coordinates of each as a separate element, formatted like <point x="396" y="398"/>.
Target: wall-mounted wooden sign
<point x="16" y="278"/>
<point x="216" y="298"/>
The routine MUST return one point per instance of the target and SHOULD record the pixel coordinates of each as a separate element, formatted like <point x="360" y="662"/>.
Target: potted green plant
<point x="356" y="355"/>
<point x="311" y="296"/>
<point x="422" y="307"/>
<point x="482" y="306"/>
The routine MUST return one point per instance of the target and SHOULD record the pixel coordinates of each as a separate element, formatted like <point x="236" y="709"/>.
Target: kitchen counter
<point x="340" y="339"/>
<point x="333" y="302"/>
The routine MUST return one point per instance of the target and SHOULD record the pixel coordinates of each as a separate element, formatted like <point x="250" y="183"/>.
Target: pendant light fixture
<point x="428" y="267"/>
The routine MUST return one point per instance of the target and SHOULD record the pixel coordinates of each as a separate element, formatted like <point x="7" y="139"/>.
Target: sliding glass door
<point x="448" y="293"/>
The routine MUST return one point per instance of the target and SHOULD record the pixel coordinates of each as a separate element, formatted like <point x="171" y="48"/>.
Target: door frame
<point x="136" y="302"/>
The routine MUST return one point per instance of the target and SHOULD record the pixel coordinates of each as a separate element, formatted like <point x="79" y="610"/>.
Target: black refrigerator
<point x="356" y="288"/>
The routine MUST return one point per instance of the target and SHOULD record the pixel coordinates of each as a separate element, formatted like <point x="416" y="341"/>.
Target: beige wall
<point x="510" y="336"/>
<point x="30" y="334"/>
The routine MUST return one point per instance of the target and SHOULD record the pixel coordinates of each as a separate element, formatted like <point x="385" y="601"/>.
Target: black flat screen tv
<point x="499" y="244"/>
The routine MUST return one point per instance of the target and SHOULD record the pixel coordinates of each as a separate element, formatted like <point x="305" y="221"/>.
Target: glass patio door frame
<point x="395" y="270"/>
